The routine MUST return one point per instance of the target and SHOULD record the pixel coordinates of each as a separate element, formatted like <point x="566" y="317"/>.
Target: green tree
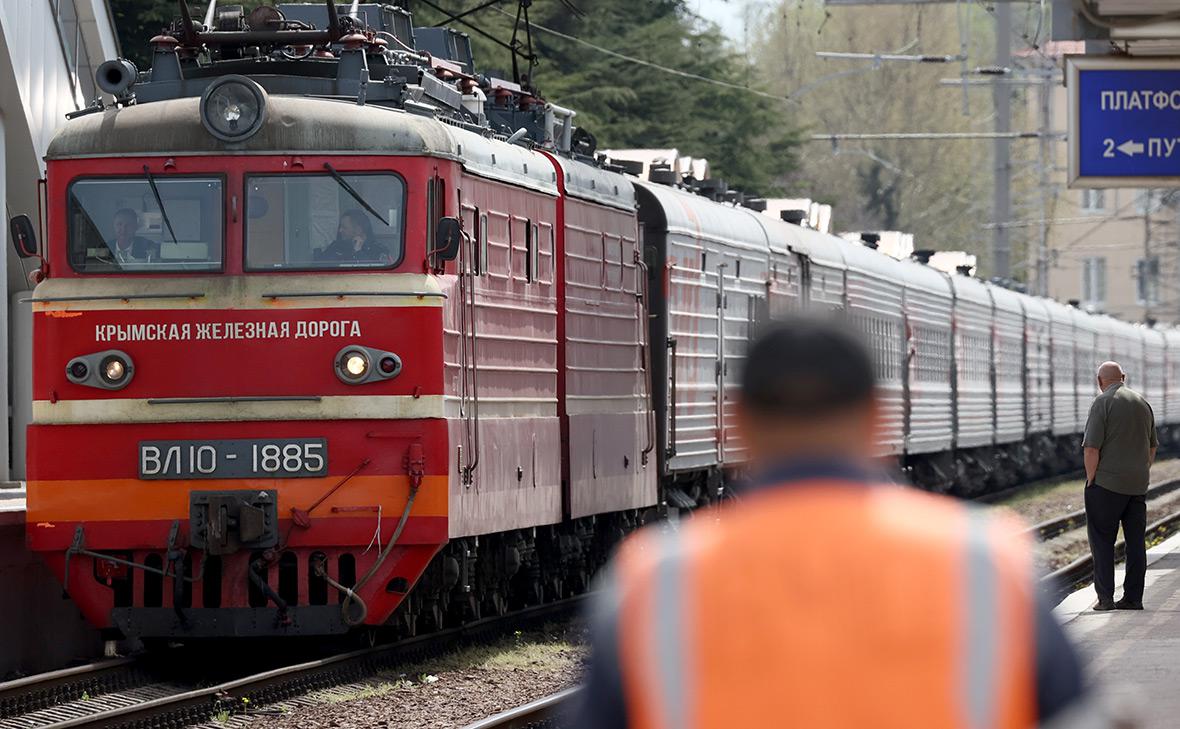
<point x="939" y="190"/>
<point x="747" y="138"/>
<point x="136" y="22"/>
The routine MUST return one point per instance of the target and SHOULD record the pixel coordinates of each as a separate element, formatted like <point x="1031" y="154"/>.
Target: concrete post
<point x="1002" y="94"/>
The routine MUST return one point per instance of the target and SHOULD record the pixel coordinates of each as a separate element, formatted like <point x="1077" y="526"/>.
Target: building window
<point x="1094" y="281"/>
<point x="1147" y="201"/>
<point x="1147" y="281"/>
<point x="1094" y="201"/>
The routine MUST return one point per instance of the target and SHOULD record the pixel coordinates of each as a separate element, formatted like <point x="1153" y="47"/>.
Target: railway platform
<point x="40" y="630"/>
<point x="1135" y="655"/>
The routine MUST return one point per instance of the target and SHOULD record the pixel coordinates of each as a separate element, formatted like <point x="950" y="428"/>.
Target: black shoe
<point x="1104" y="605"/>
<point x="1126" y="604"/>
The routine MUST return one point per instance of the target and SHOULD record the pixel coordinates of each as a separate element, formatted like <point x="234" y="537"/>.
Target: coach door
<point x="472" y="262"/>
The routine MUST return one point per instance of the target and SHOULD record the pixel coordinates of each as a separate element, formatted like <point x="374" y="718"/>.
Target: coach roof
<point x="299" y="125"/>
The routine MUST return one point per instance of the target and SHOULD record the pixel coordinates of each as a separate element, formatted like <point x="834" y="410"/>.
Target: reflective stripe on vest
<point x="667" y="635"/>
<point x="981" y="613"/>
<point x="676" y="617"/>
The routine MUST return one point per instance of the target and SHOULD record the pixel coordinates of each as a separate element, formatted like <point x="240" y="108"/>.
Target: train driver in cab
<point x="126" y="246"/>
<point x="355" y="242"/>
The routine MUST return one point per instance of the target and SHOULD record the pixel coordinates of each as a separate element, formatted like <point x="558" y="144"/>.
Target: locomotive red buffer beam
<point x="271" y="556"/>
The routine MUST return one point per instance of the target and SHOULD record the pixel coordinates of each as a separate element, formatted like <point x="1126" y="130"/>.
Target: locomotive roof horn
<point x="116" y="77"/>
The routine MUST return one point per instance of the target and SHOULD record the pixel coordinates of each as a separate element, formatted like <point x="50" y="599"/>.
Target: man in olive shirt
<point x="1118" y="447"/>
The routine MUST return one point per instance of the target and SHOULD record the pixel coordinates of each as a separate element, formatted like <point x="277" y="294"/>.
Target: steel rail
<point x="1052" y="527"/>
<point x="531" y="713"/>
<point x="197" y="705"/>
<point x="30" y="693"/>
<point x="1062" y="582"/>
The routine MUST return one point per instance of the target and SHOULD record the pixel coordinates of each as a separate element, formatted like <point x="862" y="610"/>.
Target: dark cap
<point x="807" y="367"/>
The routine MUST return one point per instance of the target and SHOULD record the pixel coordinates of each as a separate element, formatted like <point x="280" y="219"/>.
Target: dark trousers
<point x="1105" y="510"/>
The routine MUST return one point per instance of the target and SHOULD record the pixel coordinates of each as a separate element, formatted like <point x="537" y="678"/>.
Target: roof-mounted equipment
<point x="117" y="77"/>
<point x="794" y="217"/>
<point x="870" y="240"/>
<point x="922" y="256"/>
<point x="662" y="175"/>
<point x="713" y="188"/>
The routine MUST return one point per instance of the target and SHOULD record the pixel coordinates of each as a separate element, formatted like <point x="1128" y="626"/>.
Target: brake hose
<point x="350" y="594"/>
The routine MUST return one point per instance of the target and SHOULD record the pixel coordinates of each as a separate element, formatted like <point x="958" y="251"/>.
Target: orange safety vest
<point x="830" y="604"/>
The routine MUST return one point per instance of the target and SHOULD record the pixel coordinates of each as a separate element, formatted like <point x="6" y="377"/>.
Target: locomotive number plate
<point x="239" y="458"/>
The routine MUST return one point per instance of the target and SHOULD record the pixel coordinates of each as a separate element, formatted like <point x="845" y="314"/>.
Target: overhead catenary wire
<point x="919" y="136"/>
<point x="657" y="67"/>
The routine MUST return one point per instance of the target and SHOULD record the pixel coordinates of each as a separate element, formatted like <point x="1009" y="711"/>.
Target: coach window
<point x="482" y="263"/>
<point x="145" y="225"/>
<point x="530" y="252"/>
<point x="313" y="222"/>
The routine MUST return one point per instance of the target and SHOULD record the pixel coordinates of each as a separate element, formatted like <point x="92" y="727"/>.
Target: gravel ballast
<point x="451" y="691"/>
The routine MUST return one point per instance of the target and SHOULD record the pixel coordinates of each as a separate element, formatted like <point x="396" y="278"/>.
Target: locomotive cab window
<point x="145" y="224"/>
<point x="321" y="222"/>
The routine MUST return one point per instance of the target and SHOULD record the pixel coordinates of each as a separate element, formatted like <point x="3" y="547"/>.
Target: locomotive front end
<point x="238" y="352"/>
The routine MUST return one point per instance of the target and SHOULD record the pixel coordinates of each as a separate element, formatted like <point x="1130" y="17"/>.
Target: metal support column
<point x="1002" y="203"/>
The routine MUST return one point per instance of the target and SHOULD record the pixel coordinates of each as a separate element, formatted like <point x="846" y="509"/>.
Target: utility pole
<point x="1002" y="202"/>
<point x="1145" y="267"/>
<point x="1045" y="160"/>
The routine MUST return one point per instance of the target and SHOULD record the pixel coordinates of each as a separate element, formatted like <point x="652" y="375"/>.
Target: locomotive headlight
<point x="114" y="370"/>
<point x="109" y="370"/>
<point x="357" y="364"/>
<point x="233" y="108"/>
<point x="352" y="365"/>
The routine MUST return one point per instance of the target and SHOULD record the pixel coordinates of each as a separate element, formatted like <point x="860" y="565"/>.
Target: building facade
<point x="49" y="50"/>
<point x="1115" y="251"/>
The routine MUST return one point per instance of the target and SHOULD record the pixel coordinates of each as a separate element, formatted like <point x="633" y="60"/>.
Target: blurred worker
<point x="1118" y="449"/>
<point x="825" y="597"/>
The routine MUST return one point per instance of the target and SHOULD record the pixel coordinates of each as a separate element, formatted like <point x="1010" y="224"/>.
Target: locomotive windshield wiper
<point x="159" y="202"/>
<point x="355" y="195"/>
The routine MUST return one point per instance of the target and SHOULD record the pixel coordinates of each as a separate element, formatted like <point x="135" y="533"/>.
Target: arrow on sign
<point x="1131" y="148"/>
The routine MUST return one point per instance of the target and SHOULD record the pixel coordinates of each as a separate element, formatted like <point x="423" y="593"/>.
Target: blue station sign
<point x="1124" y="122"/>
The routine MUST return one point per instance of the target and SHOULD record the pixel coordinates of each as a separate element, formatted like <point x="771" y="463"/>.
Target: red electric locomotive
<point x="314" y="344"/>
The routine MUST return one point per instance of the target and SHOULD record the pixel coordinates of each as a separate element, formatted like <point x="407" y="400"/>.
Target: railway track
<point x="44" y="690"/>
<point x="1080" y="572"/>
<point x="123" y="693"/>
<point x="533" y="713"/>
<point x="1057" y="525"/>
